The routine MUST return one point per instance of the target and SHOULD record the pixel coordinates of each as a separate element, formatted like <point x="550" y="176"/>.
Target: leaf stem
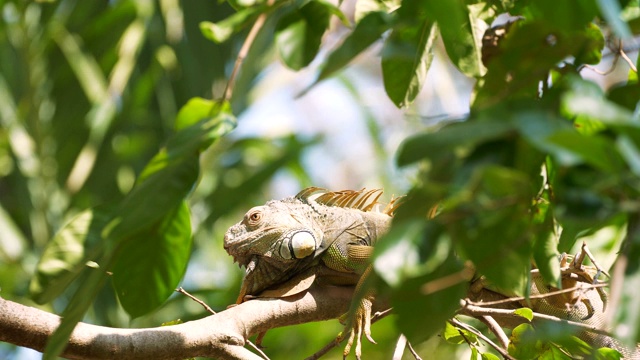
<point x="244" y="50"/>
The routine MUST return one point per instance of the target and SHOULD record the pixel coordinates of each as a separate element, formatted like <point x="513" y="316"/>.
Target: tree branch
<point x="221" y="336"/>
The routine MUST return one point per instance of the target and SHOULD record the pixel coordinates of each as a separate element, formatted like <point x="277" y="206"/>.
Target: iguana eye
<point x="254" y="216"/>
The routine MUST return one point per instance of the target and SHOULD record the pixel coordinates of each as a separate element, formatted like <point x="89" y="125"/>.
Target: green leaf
<point x="366" y="32"/>
<point x="554" y="353"/>
<point x="587" y="99"/>
<point x="150" y="265"/>
<point x="406" y="58"/>
<point x="530" y="51"/>
<point x="335" y="10"/>
<point x="66" y="255"/>
<point x="594" y="150"/>
<point x="546" y="257"/>
<point x="489" y="356"/>
<point x="468" y="133"/>
<point x="492" y="197"/>
<point x="474" y="353"/>
<point x="454" y="335"/>
<point x="608" y="354"/>
<point x="564" y="16"/>
<point x="299" y="34"/>
<point x="461" y="33"/>
<point x="591" y="52"/>
<point x="626" y="95"/>
<point x="525" y="313"/>
<point x="221" y="31"/>
<point x="198" y="109"/>
<point x="538" y="126"/>
<point x="412" y="298"/>
<point x="522" y="342"/>
<point x="411" y="249"/>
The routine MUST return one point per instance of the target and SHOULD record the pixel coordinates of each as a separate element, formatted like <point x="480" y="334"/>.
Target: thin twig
<point x="244" y="50"/>
<point x="587" y="252"/>
<point x="496" y="329"/>
<point x="209" y="309"/>
<point x="618" y="53"/>
<point x="626" y="58"/>
<point x="413" y="352"/>
<point x="204" y="305"/>
<point x="583" y="286"/>
<point x="444" y="282"/>
<point x="499" y="349"/>
<point x="401" y="344"/>
<point x="472" y="310"/>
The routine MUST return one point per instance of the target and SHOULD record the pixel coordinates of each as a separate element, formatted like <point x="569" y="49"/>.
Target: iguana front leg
<point x="358" y="320"/>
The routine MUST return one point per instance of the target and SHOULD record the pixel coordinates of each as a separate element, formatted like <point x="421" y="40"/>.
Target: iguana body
<point x="327" y="237"/>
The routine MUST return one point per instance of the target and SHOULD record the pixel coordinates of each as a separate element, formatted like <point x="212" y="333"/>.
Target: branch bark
<point x="221" y="336"/>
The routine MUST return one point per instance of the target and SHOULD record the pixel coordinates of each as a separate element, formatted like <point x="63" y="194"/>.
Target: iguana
<point x="321" y="236"/>
<point x="316" y="235"/>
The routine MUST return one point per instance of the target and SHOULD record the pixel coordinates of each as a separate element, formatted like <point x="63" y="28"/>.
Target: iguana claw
<point x="358" y="325"/>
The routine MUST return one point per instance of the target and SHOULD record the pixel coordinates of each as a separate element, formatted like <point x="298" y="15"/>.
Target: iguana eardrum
<point x="328" y="237"/>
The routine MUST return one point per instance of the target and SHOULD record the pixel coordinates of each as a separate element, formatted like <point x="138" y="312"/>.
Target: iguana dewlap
<point x="316" y="235"/>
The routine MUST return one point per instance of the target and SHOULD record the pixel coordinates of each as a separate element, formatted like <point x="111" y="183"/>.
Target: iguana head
<point x="274" y="241"/>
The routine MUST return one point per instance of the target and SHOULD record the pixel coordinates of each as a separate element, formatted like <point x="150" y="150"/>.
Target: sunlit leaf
<point x="608" y="354"/>
<point x="406" y="58"/>
<point x="221" y="31"/>
<point x="525" y="313"/>
<point x="489" y="356"/>
<point x="461" y="33"/>
<point x="197" y="109"/>
<point x="456" y="335"/>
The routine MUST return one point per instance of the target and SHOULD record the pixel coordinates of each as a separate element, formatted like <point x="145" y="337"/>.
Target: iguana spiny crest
<point x="296" y="235"/>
